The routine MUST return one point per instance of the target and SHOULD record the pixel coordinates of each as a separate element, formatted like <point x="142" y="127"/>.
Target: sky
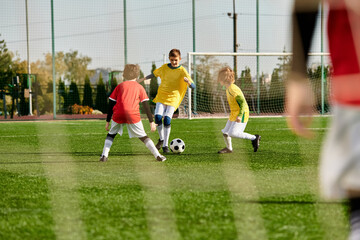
<point x="95" y="28"/>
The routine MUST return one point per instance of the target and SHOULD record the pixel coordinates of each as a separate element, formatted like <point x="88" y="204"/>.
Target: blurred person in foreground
<point x="340" y="158"/>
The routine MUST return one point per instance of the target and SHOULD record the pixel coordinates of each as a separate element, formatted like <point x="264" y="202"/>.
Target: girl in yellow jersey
<point x="174" y="82"/>
<point x="239" y="112"/>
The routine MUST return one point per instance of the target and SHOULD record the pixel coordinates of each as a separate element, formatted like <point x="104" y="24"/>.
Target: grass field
<point x="53" y="187"/>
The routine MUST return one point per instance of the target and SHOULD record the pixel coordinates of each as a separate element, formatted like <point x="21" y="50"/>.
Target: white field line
<point x="159" y="206"/>
<point x="63" y="185"/>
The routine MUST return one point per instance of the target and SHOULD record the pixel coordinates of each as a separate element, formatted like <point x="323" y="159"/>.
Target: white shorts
<point x="134" y="130"/>
<point x="340" y="158"/>
<point x="232" y="127"/>
<point x="164" y="110"/>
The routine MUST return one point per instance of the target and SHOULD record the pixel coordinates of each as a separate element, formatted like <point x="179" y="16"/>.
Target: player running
<point x="239" y="114"/>
<point x="124" y="110"/>
<point x="174" y="82"/>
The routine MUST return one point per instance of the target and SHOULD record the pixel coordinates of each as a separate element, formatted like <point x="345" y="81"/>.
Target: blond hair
<point x="131" y="71"/>
<point x="226" y="75"/>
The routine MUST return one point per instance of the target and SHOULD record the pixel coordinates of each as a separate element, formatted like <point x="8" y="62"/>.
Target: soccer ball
<point x="177" y="145"/>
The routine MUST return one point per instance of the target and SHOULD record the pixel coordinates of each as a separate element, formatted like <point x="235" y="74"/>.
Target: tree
<point x="63" y="97"/>
<point x="284" y="65"/>
<point x="87" y="100"/>
<point x="153" y="83"/>
<point x="74" y="97"/>
<point x="277" y="92"/>
<point x="248" y="88"/>
<point x="76" y="66"/>
<point x="101" y="98"/>
<point x="6" y="66"/>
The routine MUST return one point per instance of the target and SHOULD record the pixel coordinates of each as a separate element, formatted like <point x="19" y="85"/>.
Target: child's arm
<point x="191" y="85"/>
<point x="242" y="103"/>
<point x="110" y="113"/>
<point x="149" y="115"/>
<point x="144" y="78"/>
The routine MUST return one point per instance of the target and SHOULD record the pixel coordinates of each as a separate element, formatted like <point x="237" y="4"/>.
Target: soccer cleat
<point x="103" y="159"/>
<point x="159" y="144"/>
<point x="165" y="149"/>
<point x="225" y="150"/>
<point x="161" y="158"/>
<point x="256" y="142"/>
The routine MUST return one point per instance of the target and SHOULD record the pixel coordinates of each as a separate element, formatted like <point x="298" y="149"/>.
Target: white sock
<point x="107" y="147"/>
<point x="160" y="130"/>
<point x="243" y="135"/>
<point x="151" y="146"/>
<point x="166" y="135"/>
<point x="228" y="142"/>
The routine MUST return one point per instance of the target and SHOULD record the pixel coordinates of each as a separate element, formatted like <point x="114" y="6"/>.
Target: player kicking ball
<point x="239" y="112"/>
<point x="124" y="110"/>
<point x="174" y="82"/>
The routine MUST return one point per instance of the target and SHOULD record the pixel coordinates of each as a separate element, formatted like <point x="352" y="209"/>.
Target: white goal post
<point x="259" y="75"/>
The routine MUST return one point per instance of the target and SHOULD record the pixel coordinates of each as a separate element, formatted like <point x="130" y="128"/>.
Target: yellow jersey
<point x="237" y="103"/>
<point x="172" y="88"/>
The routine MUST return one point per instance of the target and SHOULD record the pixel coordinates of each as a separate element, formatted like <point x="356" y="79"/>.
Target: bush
<point x="78" y="109"/>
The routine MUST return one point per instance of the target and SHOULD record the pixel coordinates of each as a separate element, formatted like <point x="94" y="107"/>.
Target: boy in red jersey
<point x="124" y="110"/>
<point x="340" y="159"/>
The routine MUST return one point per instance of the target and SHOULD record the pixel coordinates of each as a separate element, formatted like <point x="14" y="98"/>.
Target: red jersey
<point x="127" y="96"/>
<point x="344" y="46"/>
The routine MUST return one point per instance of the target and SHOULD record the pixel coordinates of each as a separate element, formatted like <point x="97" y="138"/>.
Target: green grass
<point x="53" y="187"/>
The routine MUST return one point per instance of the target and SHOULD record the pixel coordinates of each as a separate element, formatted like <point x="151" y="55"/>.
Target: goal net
<point x="261" y="77"/>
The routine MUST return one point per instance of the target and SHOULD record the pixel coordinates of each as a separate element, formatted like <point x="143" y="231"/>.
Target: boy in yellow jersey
<point x="174" y="82"/>
<point x="239" y="112"/>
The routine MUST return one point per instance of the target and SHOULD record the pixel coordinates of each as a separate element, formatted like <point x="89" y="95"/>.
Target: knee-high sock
<point x="151" y="146"/>
<point x="167" y="130"/>
<point x="227" y="141"/>
<point x="107" y="146"/>
<point x="160" y="129"/>
<point x="354" y="218"/>
<point x="242" y="135"/>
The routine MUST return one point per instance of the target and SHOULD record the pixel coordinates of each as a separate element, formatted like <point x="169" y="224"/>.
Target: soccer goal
<point x="261" y="77"/>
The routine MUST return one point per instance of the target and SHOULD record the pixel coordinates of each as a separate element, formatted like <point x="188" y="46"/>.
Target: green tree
<point x="74" y="97"/>
<point x="6" y="67"/>
<point x="314" y="75"/>
<point x="76" y="65"/>
<point x="247" y="87"/>
<point x="63" y="101"/>
<point x="87" y="100"/>
<point x="153" y="84"/>
<point x="101" y="98"/>
<point x="284" y="65"/>
<point x="277" y="92"/>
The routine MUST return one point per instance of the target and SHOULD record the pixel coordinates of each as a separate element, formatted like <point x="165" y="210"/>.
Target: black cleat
<point x="103" y="159"/>
<point x="256" y="142"/>
<point x="165" y="149"/>
<point x="159" y="144"/>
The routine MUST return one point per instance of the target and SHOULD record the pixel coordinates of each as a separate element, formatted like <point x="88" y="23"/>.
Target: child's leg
<point x="159" y="111"/>
<point x="151" y="146"/>
<point x="114" y="129"/>
<point x="168" y="113"/>
<point x="227" y="138"/>
<point x="108" y="142"/>
<point x="237" y="131"/>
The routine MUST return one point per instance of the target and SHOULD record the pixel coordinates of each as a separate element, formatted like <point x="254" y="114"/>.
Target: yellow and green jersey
<point x="237" y="103"/>
<point x="173" y="87"/>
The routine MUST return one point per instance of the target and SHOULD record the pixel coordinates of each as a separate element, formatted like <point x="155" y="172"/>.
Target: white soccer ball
<point x="177" y="145"/>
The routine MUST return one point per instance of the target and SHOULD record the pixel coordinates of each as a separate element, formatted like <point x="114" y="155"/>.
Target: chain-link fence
<point x="91" y="41"/>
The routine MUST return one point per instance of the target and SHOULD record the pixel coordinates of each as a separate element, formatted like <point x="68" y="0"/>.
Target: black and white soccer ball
<point x="177" y="145"/>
